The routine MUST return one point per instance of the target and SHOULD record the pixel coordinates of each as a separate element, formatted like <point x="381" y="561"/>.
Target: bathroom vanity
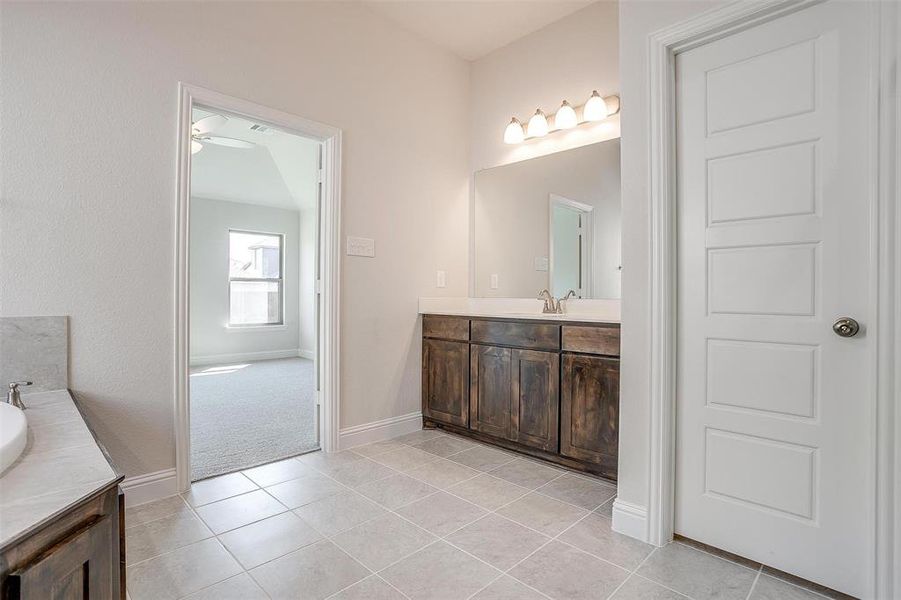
<point x="547" y="387"/>
<point x="61" y="510"/>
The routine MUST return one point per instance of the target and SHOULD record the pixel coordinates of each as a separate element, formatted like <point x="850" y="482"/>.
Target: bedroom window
<point x="255" y="285"/>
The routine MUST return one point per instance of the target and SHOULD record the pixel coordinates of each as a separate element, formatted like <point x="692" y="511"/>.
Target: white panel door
<point x="774" y="410"/>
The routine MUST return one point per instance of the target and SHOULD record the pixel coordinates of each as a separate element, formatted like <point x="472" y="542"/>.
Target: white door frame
<point x="885" y="222"/>
<point x="329" y="261"/>
<point x="587" y="241"/>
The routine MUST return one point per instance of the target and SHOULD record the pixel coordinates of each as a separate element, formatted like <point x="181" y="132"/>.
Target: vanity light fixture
<point x="596" y="108"/>
<point x="538" y="126"/>
<point x="514" y="134"/>
<point x="565" y="117"/>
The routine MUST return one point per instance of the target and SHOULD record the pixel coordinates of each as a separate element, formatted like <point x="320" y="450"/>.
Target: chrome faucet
<point x="13" y="397"/>
<point x="560" y="301"/>
<point x="550" y="305"/>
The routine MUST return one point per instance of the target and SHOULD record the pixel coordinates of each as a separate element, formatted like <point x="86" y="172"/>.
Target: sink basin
<point x="13" y="434"/>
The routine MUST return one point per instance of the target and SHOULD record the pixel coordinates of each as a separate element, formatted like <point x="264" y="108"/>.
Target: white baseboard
<point x="147" y="488"/>
<point x="308" y="354"/>
<point x="630" y="519"/>
<point x="378" y="431"/>
<point x="213" y="359"/>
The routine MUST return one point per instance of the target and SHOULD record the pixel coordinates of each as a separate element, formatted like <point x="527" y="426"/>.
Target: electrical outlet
<point x="359" y="246"/>
<point x="494" y="281"/>
<point x="442" y="279"/>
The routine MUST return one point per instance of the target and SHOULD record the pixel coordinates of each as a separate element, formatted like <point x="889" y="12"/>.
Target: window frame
<point x="280" y="280"/>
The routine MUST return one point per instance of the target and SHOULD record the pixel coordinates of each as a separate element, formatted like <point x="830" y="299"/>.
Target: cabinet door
<point x="534" y="399"/>
<point x="80" y="567"/>
<point x="489" y="396"/>
<point x="590" y="409"/>
<point x="445" y="381"/>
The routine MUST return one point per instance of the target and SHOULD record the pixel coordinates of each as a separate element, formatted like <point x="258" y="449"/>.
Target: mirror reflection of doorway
<point x="570" y="247"/>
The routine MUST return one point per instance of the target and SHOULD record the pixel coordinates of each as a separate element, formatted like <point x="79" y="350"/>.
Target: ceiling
<point x="281" y="170"/>
<point x="474" y="28"/>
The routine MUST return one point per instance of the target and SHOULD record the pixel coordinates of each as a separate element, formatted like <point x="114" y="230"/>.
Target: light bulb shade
<point x="196" y="146"/>
<point x="538" y="126"/>
<point x="595" y="109"/>
<point x="565" y="117"/>
<point x="513" y="134"/>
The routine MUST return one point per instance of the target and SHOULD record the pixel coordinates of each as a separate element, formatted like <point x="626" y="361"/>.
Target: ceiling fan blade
<point x="227" y="141"/>
<point x="208" y="124"/>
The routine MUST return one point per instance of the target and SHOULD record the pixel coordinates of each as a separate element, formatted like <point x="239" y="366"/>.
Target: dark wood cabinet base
<point x="549" y="390"/>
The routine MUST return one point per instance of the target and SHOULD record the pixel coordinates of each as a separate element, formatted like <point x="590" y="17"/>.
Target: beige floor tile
<point x="578" y="490"/>
<point x="497" y="541"/>
<point x="371" y="588"/>
<point x="488" y="492"/>
<point x="238" y="511"/>
<point x="240" y="587"/>
<point x="313" y="572"/>
<point x="482" y="458"/>
<point x="405" y="459"/>
<point x="442" y="473"/>
<point x="360" y="472"/>
<point x="594" y="535"/>
<point x="142" y="513"/>
<point x="277" y="472"/>
<point x="268" y="539"/>
<point x="181" y="572"/>
<point x="163" y="535"/>
<point x="639" y="588"/>
<point x="526" y="473"/>
<point x="770" y="588"/>
<point x="441" y="513"/>
<point x="382" y="541"/>
<point x="377" y="448"/>
<point x="439" y="571"/>
<point x="339" y="512"/>
<point x="218" y="488"/>
<point x="328" y="461"/>
<point x="565" y="573"/>
<point x="507" y="588"/>
<point x="547" y="515"/>
<point x="419" y="436"/>
<point x="606" y="509"/>
<point x="445" y="446"/>
<point x="697" y="574"/>
<point x="396" y="491"/>
<point x="304" y="490"/>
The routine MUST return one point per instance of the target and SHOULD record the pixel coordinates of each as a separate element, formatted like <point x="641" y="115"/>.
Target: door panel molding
<point x="884" y="105"/>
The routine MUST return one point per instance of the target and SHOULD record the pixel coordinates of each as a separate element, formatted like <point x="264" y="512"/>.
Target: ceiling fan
<point x="201" y="134"/>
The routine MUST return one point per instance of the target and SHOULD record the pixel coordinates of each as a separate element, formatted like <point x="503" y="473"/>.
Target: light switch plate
<point x="541" y="263"/>
<point x="360" y="246"/>
<point x="442" y="279"/>
<point x="493" y="285"/>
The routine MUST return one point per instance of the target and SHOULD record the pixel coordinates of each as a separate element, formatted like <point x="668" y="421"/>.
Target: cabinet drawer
<point x="538" y="336"/>
<point x="448" y="328"/>
<point x="591" y="340"/>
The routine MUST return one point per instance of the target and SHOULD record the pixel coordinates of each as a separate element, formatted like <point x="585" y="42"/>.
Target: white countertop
<point x="61" y="464"/>
<point x="589" y="311"/>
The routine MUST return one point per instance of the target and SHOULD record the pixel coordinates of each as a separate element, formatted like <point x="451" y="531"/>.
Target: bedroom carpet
<point x="248" y="413"/>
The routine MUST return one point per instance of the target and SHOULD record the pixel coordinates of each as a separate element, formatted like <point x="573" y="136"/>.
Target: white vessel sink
<point x="13" y="434"/>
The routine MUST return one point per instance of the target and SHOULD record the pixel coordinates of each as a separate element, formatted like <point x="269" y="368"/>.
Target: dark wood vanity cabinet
<point x="543" y="388"/>
<point x="589" y="406"/>
<point x="445" y="381"/>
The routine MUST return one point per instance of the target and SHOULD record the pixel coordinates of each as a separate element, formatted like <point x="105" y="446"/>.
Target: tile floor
<point x="426" y="515"/>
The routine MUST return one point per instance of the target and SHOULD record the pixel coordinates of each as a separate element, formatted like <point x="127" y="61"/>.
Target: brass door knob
<point x="846" y="327"/>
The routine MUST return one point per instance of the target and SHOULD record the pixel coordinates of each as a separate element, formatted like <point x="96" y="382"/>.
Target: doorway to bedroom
<point x="253" y="314"/>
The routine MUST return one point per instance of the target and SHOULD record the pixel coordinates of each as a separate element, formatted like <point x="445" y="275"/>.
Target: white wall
<point x="565" y="60"/>
<point x="511" y="219"/>
<point x="87" y="160"/>
<point x="210" y="223"/>
<point x="637" y="21"/>
<point x="308" y="247"/>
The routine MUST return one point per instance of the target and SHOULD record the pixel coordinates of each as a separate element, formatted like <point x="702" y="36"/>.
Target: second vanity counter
<point x="583" y="311"/>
